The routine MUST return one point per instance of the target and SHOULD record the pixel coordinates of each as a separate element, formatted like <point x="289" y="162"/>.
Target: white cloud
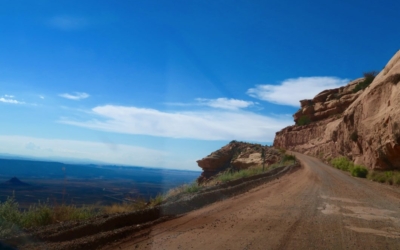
<point x="84" y="150"/>
<point x="291" y="91"/>
<point x="220" y="103"/>
<point x="225" y="103"/>
<point x="75" y="96"/>
<point x="215" y="125"/>
<point x="68" y="22"/>
<point x="41" y="97"/>
<point x="10" y="99"/>
<point x="2" y="99"/>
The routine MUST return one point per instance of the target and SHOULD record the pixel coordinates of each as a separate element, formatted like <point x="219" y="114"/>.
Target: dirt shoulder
<point x="317" y="207"/>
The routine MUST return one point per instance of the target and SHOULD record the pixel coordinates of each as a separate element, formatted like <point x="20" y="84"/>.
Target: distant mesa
<point x="15" y="182"/>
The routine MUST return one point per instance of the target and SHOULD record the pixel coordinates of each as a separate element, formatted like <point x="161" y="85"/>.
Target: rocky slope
<point x="236" y="155"/>
<point x="363" y="126"/>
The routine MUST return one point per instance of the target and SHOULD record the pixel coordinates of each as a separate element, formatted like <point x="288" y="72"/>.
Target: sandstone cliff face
<point x="364" y="126"/>
<point x="236" y="155"/>
<point x="328" y="103"/>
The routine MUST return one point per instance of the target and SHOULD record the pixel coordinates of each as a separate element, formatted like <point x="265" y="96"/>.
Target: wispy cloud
<point x="10" y="99"/>
<point x="219" y="103"/>
<point x="65" y="22"/>
<point x="213" y="125"/>
<point x="290" y="91"/>
<point x="225" y="103"/>
<point x="41" y="96"/>
<point x="75" y="96"/>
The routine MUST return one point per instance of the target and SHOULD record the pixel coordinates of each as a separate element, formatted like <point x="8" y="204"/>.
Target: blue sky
<point x="164" y="83"/>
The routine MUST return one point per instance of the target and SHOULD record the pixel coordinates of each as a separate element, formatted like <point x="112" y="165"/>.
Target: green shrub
<point x="345" y="164"/>
<point x="342" y="163"/>
<point x="287" y="157"/>
<point x="9" y="211"/>
<point x="359" y="171"/>
<point x="388" y="174"/>
<point x="10" y="217"/>
<point x="303" y="120"/>
<point x="38" y="215"/>
<point x="368" y="79"/>
<point x="396" y="179"/>
<point x="390" y="177"/>
<point x="377" y="176"/>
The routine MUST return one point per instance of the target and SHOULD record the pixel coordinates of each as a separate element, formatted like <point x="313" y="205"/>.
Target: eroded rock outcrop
<point x="364" y="126"/>
<point x="328" y="103"/>
<point x="236" y="155"/>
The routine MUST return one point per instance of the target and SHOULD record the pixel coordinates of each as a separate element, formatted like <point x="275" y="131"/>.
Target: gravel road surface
<point x="316" y="207"/>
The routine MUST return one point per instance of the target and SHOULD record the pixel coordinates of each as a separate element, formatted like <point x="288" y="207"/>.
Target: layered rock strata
<point x="328" y="103"/>
<point x="363" y="126"/>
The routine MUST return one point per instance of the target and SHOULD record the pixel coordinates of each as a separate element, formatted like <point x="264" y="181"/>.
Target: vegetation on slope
<point x="12" y="218"/>
<point x="304" y="120"/>
<point x="345" y="164"/>
<point x="389" y="177"/>
<point x="368" y="79"/>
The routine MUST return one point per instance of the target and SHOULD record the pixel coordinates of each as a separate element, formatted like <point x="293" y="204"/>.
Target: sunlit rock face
<point x="328" y="103"/>
<point x="364" y="126"/>
<point x="236" y="155"/>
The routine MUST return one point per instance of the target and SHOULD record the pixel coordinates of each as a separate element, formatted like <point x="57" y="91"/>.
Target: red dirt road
<point x="316" y="207"/>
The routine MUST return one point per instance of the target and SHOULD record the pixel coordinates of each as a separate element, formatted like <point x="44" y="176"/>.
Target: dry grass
<point x="389" y="177"/>
<point x="186" y="188"/>
<point x="124" y="207"/>
<point x="41" y="214"/>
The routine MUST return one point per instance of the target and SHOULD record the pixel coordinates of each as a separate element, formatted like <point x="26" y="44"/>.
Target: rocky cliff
<point x="363" y="126"/>
<point x="235" y="156"/>
<point x="327" y="104"/>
